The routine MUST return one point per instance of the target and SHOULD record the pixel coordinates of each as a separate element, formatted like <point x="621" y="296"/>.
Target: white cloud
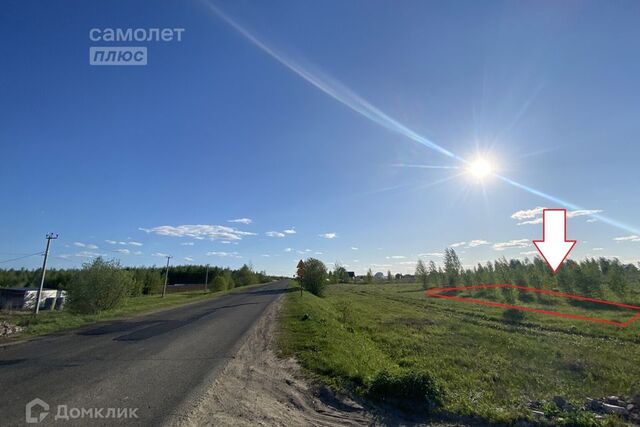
<point x="531" y="222"/>
<point x="474" y="243"/>
<point x="381" y="265"/>
<point x="115" y="242"/>
<point x="224" y="254"/>
<point x="534" y="216"/>
<point x="123" y="251"/>
<point x="527" y="213"/>
<point x="290" y="231"/>
<point x="518" y="243"/>
<point x="288" y="249"/>
<point x="85" y="245"/>
<point x="160" y="254"/>
<point x="189" y="259"/>
<point x="245" y="221"/>
<point x="407" y="262"/>
<point x="529" y="253"/>
<point x="631" y="238"/>
<point x="431" y="254"/>
<point x="597" y="249"/>
<point x="318" y="253"/>
<point x="199" y="231"/>
<point x="328" y="235"/>
<point x="266" y="255"/>
<point x="353" y="248"/>
<point x="89" y="254"/>
<point x="274" y="234"/>
<point x="455" y="245"/>
<point x="188" y="244"/>
<point x="396" y="257"/>
<point x="137" y="253"/>
<point x="583" y="212"/>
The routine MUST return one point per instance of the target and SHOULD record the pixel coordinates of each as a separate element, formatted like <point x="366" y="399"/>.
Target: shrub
<point x="513" y="316"/>
<point x="228" y="277"/>
<point x="219" y="284"/>
<point x="314" y="279"/>
<point x="153" y="282"/>
<point x="99" y="285"/>
<point x="245" y="276"/>
<point x="136" y="288"/>
<point x="407" y="389"/>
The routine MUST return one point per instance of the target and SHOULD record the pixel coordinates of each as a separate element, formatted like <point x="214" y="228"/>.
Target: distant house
<point x="25" y="298"/>
<point x="379" y="275"/>
<point x="398" y="276"/>
<point x="352" y="275"/>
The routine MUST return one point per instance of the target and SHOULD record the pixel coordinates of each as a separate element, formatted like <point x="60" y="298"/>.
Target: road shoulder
<point x="257" y="387"/>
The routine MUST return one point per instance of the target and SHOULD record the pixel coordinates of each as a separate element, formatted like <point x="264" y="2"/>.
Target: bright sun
<point x="480" y="168"/>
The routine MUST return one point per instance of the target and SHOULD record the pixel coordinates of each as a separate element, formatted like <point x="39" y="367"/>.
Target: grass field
<point x="47" y="322"/>
<point x="488" y="367"/>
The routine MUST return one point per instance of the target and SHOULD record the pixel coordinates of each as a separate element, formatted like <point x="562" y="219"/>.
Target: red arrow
<point x="554" y="246"/>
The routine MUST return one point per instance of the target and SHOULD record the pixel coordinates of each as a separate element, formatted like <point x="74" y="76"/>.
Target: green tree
<point x="433" y="276"/>
<point x="616" y="279"/>
<point x="422" y="275"/>
<point x="100" y="285"/>
<point x="245" y="276"/>
<point x="389" y="276"/>
<point x="369" y="277"/>
<point x="228" y="278"/>
<point x="314" y="279"/>
<point x="452" y="266"/>
<point x="340" y="274"/>
<point x="219" y="284"/>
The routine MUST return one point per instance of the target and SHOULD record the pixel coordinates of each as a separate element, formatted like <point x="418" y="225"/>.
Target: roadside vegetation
<point x="104" y="290"/>
<point x="312" y="276"/>
<point x="392" y="344"/>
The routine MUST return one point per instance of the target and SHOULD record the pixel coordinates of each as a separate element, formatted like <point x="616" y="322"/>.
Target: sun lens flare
<point x="480" y="169"/>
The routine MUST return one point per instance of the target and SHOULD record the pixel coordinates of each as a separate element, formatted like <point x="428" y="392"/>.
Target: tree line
<point x="596" y="278"/>
<point x="149" y="280"/>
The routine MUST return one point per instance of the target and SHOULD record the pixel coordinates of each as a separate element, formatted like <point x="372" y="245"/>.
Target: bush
<point x="407" y="389"/>
<point x="219" y="284"/>
<point x="99" y="285"/>
<point x="153" y="282"/>
<point x="137" y="287"/>
<point x="513" y="316"/>
<point x="314" y="279"/>
<point x="228" y="277"/>
<point x="245" y="276"/>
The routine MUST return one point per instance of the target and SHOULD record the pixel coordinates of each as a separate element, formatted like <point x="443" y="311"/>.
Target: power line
<point x="22" y="257"/>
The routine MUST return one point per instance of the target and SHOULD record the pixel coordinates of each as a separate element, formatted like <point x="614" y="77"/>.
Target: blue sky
<point x="299" y="117"/>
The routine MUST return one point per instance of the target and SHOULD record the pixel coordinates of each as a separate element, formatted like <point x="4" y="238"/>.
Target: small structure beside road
<point x="25" y="298"/>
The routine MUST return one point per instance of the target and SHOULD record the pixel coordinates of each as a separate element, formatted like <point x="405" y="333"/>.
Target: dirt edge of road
<point x="257" y="387"/>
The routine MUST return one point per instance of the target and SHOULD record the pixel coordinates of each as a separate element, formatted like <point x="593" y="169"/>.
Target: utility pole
<point x="166" y="277"/>
<point x="49" y="237"/>
<point x="206" y="279"/>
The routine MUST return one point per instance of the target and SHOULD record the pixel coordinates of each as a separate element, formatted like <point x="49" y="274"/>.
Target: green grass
<point x="48" y="322"/>
<point x="489" y="368"/>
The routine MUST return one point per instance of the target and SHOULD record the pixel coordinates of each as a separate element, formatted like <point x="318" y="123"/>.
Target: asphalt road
<point x="156" y="363"/>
